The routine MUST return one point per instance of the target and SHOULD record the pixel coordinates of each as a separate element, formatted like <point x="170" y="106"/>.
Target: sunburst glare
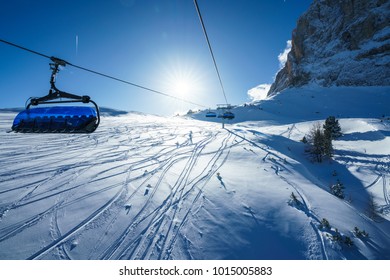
<point x="182" y="78"/>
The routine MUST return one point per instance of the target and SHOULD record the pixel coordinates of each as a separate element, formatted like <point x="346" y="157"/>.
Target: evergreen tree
<point x="338" y="190"/>
<point x="348" y="241"/>
<point x="328" y="147"/>
<point x="294" y="199"/>
<point x="321" y="143"/>
<point x="360" y="233"/>
<point x="317" y="141"/>
<point x="332" y="127"/>
<point x="325" y="224"/>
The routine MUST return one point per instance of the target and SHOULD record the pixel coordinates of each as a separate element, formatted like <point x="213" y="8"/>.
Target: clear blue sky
<point x="154" y="43"/>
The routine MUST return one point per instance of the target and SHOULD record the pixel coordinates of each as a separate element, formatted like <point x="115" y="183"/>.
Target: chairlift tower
<point x="226" y="113"/>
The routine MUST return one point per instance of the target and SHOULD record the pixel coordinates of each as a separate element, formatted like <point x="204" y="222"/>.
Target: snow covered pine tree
<point x="332" y="127"/>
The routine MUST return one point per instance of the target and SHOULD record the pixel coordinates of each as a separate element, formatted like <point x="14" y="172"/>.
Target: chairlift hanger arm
<point x="59" y="61"/>
<point x="54" y="92"/>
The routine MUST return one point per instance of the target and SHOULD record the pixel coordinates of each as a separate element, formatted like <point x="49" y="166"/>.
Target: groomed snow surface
<point x="147" y="187"/>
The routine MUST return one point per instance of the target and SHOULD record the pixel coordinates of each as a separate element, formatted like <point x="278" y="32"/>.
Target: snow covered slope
<point x="146" y="187"/>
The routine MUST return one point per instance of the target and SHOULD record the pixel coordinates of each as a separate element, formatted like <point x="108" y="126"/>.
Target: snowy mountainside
<point x="313" y="102"/>
<point x="339" y="43"/>
<point x="147" y="187"/>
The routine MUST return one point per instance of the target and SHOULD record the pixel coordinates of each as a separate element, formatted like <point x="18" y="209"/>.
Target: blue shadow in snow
<point x="320" y="175"/>
<point x="366" y="136"/>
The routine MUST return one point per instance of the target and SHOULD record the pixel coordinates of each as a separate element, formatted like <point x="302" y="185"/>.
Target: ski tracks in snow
<point x="278" y="162"/>
<point x="157" y="238"/>
<point x="147" y="178"/>
<point x="386" y="194"/>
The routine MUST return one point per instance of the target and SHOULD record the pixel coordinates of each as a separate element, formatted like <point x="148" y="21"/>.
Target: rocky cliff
<point x="339" y="43"/>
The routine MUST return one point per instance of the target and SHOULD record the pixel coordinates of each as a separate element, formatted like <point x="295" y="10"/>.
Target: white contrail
<point x="77" y="44"/>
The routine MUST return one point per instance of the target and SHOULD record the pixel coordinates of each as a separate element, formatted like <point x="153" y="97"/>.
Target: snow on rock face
<point x="341" y="43"/>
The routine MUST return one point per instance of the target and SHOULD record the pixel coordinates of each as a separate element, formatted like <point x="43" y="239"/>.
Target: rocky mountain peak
<point x="339" y="42"/>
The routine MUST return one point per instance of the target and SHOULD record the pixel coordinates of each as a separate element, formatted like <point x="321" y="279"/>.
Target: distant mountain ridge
<point x="103" y="110"/>
<point x="339" y="43"/>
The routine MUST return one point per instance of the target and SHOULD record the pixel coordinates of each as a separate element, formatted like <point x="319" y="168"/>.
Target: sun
<point x="182" y="85"/>
<point x="182" y="79"/>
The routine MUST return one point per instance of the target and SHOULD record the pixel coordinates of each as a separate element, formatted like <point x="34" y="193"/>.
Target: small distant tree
<point x="360" y="233"/>
<point x="332" y="127"/>
<point x="324" y="224"/>
<point x="338" y="189"/>
<point x="294" y="198"/>
<point x="336" y="237"/>
<point x="348" y="241"/>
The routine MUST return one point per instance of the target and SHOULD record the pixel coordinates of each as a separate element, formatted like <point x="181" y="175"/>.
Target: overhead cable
<point x="102" y="74"/>
<point x="211" y="50"/>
